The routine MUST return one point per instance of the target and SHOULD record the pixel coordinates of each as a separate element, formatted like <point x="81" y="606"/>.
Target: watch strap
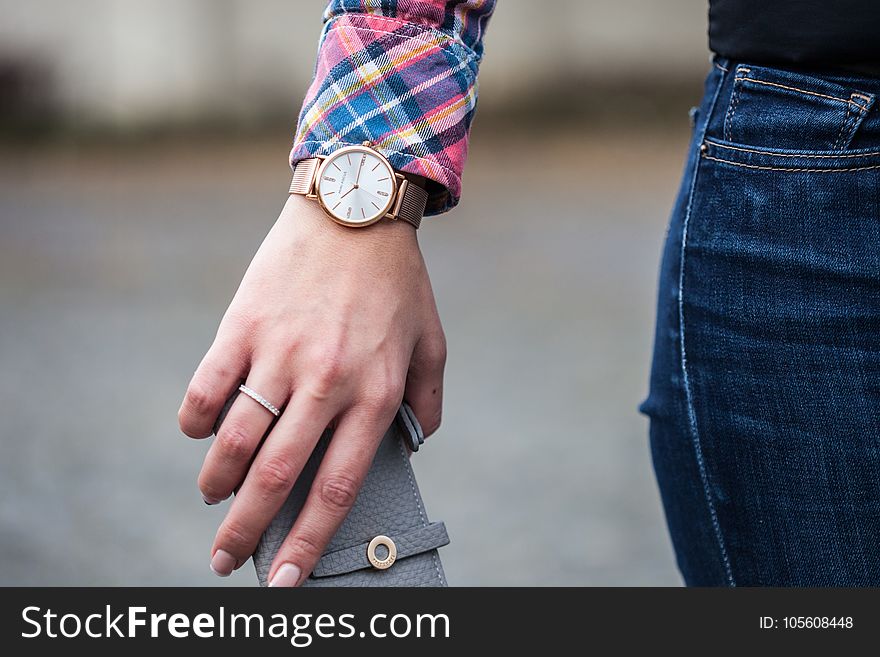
<point x="412" y="200"/>
<point x="304" y="175"/>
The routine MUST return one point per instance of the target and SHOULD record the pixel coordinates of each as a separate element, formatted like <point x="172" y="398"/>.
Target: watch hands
<point x="360" y="167"/>
<point x="363" y="190"/>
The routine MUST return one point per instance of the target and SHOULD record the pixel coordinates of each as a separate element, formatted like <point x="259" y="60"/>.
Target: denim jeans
<point x="765" y="388"/>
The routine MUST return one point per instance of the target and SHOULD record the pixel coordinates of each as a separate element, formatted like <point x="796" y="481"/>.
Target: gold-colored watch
<point x="357" y="186"/>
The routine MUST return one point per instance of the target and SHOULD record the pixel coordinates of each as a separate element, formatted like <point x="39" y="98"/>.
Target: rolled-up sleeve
<point x="402" y="75"/>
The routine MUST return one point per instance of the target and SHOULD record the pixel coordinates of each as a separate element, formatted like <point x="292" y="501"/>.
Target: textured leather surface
<point x="388" y="504"/>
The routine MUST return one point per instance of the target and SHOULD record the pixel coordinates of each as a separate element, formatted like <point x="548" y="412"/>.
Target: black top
<point x="817" y="34"/>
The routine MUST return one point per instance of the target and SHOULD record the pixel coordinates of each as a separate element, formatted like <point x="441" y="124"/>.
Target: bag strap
<point x="408" y="544"/>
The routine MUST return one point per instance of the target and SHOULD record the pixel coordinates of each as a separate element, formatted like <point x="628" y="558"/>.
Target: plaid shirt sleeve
<point x="401" y="74"/>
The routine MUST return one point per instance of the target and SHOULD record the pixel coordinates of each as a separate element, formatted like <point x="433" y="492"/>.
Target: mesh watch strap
<point x="411" y="201"/>
<point x="304" y="175"/>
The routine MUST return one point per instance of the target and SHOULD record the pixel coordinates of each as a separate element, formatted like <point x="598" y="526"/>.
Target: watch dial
<point x="356" y="186"/>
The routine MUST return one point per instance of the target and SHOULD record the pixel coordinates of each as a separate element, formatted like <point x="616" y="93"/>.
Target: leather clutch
<point x="386" y="540"/>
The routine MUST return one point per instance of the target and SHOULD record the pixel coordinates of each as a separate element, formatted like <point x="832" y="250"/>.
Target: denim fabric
<point x="765" y="388"/>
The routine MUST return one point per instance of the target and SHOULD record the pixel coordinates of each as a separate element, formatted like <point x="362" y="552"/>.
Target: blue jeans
<point x="765" y="388"/>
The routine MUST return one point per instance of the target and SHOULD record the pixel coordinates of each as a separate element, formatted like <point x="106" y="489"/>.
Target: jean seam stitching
<point x="692" y="416"/>
<point x="790" y="169"/>
<point x="734" y="99"/>
<point x="846" y="121"/>
<point x="848" y="101"/>
<point x="758" y="151"/>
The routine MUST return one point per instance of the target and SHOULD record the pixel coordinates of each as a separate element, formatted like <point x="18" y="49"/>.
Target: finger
<point x="424" y="381"/>
<point x="219" y="373"/>
<point x="334" y="490"/>
<point x="269" y="480"/>
<point x="238" y="437"/>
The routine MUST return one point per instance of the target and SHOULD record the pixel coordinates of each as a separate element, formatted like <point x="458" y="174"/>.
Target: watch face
<point x="356" y="186"/>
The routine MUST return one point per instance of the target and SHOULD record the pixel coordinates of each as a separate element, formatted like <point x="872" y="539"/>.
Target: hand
<point x="337" y="325"/>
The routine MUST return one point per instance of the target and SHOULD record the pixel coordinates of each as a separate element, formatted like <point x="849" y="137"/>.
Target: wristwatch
<point x="357" y="186"/>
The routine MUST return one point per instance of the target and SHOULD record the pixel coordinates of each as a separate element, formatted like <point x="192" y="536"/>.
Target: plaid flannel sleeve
<point x="401" y="74"/>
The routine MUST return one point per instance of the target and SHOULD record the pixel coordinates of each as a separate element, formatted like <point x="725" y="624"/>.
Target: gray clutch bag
<point x="386" y="540"/>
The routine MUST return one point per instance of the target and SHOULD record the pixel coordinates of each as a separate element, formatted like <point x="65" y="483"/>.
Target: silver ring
<point x="262" y="401"/>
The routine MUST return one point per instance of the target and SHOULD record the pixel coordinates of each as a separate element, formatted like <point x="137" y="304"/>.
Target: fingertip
<point x="222" y="563"/>
<point x="287" y="575"/>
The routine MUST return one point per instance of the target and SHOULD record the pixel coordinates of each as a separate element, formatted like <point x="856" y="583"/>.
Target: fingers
<point x="244" y="426"/>
<point x="334" y="490"/>
<point x="217" y="376"/>
<point x="269" y="480"/>
<point x="424" y="382"/>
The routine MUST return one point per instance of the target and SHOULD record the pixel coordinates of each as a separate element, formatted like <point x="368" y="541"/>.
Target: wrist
<point x="308" y="220"/>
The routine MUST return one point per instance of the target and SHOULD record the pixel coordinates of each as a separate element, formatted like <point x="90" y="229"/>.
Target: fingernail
<point x="210" y="501"/>
<point x="287" y="575"/>
<point x="223" y="563"/>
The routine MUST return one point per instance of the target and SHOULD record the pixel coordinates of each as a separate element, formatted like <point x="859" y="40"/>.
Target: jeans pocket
<point x="779" y="109"/>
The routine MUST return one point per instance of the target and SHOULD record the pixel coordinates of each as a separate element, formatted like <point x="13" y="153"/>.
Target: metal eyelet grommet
<point x="382" y="564"/>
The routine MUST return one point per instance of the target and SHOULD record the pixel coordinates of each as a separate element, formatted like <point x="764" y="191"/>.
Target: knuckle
<point x="235" y="539"/>
<point x="383" y="402"/>
<point x="429" y="358"/>
<point x="339" y="491"/>
<point x="276" y="476"/>
<point x="386" y="392"/>
<point x="199" y="398"/>
<point x="286" y="353"/>
<point x="234" y="442"/>
<point x="437" y="350"/>
<point x="394" y="386"/>
<point x="328" y="370"/>
<point x="305" y="544"/>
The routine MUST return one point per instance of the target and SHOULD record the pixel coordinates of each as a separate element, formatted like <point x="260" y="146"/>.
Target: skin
<point x="336" y="325"/>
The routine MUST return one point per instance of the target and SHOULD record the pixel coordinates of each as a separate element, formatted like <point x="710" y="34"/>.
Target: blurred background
<point x="143" y="150"/>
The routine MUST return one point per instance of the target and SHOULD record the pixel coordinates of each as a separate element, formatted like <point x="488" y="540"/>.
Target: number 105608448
<point x="806" y="622"/>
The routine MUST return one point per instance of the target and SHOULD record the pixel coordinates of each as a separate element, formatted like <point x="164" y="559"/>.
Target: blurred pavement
<point x="117" y="261"/>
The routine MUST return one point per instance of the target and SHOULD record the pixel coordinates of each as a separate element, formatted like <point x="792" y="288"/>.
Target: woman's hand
<point x="336" y="325"/>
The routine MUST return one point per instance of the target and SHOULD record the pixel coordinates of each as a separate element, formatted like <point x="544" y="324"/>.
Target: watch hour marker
<point x="337" y="205"/>
<point x="363" y="214"/>
<point x="375" y="206"/>
<point x="376" y="167"/>
<point x="336" y="165"/>
<point x="381" y="179"/>
<point x="328" y="193"/>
